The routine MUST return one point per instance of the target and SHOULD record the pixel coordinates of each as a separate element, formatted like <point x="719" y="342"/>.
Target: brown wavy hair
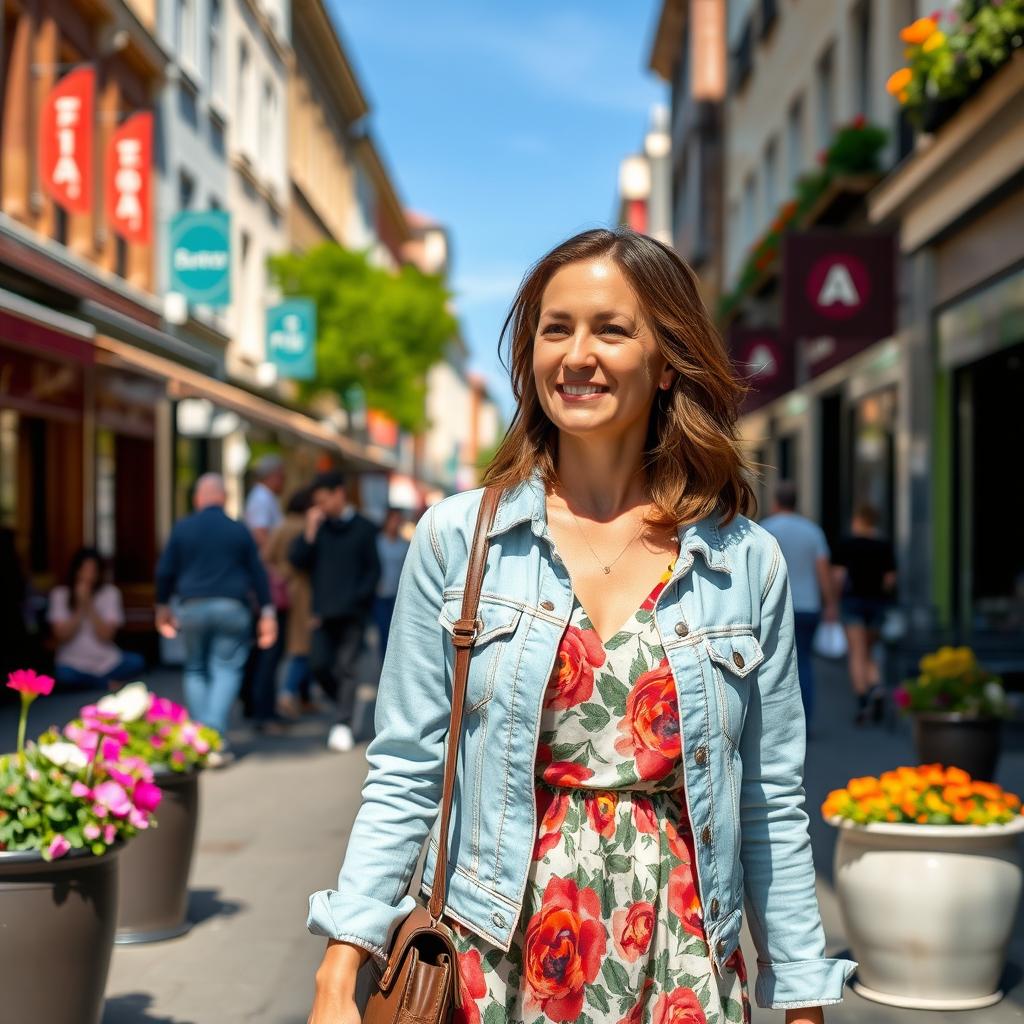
<point x="693" y="462"/>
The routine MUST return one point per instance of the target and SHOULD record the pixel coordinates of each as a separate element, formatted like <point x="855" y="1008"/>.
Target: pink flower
<point x="111" y="749"/>
<point x="200" y="745"/>
<point x="147" y="796"/>
<point x="118" y="775"/>
<point x="156" y="742"/>
<point x="80" y="789"/>
<point x="178" y="757"/>
<point x="901" y="697"/>
<point x="162" y="708"/>
<point x="26" y="681"/>
<point x="139" y="819"/>
<point x="91" y="832"/>
<point x="58" y="847"/>
<point x="109" y="834"/>
<point x="112" y="797"/>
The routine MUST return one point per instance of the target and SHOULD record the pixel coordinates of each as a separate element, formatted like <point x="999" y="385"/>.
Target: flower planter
<point x="928" y="909"/>
<point x="57" y="922"/>
<point x="155" y="866"/>
<point x="966" y="741"/>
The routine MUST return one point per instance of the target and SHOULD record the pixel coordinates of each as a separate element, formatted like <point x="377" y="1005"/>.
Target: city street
<point x="273" y="829"/>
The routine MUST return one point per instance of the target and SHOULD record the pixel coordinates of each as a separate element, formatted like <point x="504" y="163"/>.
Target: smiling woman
<point x="629" y="767"/>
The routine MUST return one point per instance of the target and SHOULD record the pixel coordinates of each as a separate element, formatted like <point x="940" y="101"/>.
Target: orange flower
<point x="933" y="42"/>
<point x="898" y="81"/>
<point x="918" y="31"/>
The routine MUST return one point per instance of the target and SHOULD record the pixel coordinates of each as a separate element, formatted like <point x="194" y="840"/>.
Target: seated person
<point x="85" y="616"/>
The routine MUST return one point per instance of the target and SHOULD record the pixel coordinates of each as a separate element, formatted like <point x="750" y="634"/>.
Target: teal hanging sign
<point x="291" y="338"/>
<point x="201" y="256"/>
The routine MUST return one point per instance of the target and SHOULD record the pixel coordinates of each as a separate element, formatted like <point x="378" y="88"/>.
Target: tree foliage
<point x="377" y="330"/>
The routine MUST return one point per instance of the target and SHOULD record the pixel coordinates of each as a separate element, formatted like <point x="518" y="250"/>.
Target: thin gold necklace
<point x="606" y="569"/>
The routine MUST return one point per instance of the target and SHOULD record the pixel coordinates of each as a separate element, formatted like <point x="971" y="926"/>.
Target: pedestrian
<point x="85" y="614"/>
<point x="632" y="695"/>
<point x="392" y="548"/>
<point x="864" y="571"/>
<point x="806" y="552"/>
<point x="338" y="548"/>
<point x="295" y="698"/>
<point x="211" y="565"/>
<point x="263" y="516"/>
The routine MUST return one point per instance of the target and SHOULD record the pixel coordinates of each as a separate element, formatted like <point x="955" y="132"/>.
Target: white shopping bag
<point x="830" y="640"/>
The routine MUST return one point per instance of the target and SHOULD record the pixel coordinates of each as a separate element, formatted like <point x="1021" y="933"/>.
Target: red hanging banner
<point x="66" y="138"/>
<point x="128" y="175"/>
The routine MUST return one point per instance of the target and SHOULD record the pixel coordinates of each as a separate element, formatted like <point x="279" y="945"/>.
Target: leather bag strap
<point x="464" y="638"/>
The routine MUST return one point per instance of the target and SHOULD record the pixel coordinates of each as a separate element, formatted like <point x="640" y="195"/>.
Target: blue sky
<point x="507" y="123"/>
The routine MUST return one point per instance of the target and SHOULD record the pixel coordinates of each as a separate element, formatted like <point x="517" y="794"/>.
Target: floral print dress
<point x="611" y="930"/>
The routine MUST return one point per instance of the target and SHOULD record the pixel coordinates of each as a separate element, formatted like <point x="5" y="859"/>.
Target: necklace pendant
<point x="607" y="569"/>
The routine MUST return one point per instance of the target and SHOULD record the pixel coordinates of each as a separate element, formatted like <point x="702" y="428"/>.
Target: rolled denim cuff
<point x="790" y="986"/>
<point x="360" y="920"/>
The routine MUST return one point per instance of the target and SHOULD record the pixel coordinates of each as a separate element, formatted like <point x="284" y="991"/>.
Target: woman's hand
<point x="812" y="1015"/>
<point x="335" y="1002"/>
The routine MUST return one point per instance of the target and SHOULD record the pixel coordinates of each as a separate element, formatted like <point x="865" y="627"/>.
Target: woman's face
<point x="89" y="573"/>
<point x="596" y="363"/>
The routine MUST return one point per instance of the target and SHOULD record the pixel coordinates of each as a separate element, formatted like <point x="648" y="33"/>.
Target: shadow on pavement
<point x="206" y="903"/>
<point x="133" y="1008"/>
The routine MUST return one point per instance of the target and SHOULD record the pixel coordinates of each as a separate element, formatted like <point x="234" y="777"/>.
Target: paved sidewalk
<point x="274" y="828"/>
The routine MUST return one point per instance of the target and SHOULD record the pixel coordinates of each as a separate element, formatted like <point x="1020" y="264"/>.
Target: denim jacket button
<point x="498" y="919"/>
<point x="737" y="659"/>
<point x="705" y="835"/>
<point x="548" y="606"/>
<point x="714" y="907"/>
<point x="720" y="947"/>
<point x="682" y="628"/>
<point x="701" y="756"/>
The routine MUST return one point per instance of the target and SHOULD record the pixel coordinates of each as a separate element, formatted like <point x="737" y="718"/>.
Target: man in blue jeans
<point x="212" y="566"/>
<point x="806" y="553"/>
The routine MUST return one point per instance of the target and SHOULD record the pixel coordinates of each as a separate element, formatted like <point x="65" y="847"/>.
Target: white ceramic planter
<point x="929" y="909"/>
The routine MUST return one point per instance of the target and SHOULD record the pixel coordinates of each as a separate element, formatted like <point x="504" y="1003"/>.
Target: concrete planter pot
<point x="156" y="864"/>
<point x="929" y="910"/>
<point x="57" y="924"/>
<point x="969" y="742"/>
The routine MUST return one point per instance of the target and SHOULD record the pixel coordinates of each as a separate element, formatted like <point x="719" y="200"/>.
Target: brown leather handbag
<point x="420" y="984"/>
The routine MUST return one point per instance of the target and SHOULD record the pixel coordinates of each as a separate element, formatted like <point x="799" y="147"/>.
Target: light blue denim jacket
<point x="726" y="622"/>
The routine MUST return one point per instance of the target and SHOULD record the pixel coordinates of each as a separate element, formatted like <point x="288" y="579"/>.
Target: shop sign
<point x="66" y="140"/>
<point x="764" y="361"/>
<point x="129" y="173"/>
<point x="291" y="338"/>
<point x="201" y="256"/>
<point x="839" y="285"/>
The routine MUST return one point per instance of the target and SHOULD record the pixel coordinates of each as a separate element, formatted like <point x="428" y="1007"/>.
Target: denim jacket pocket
<point x="734" y="656"/>
<point x="497" y="621"/>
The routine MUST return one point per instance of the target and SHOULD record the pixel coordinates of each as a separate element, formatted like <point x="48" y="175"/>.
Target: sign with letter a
<point x="129" y="171"/>
<point x="839" y="285"/>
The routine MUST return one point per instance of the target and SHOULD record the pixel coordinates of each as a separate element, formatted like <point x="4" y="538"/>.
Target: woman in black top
<point x="865" y="576"/>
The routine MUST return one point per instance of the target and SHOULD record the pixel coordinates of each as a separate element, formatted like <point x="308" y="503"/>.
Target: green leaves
<point x="615" y="977"/>
<point x="614" y="693"/>
<point x="594" y="717"/>
<point x="378" y="331"/>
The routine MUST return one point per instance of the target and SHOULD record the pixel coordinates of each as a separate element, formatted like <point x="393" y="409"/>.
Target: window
<point x="862" y="58"/>
<point x="214" y="54"/>
<point x="771" y="178"/>
<point x="795" y="140"/>
<point x="243" y="96"/>
<point x="186" y="190"/>
<point x="826" y="98"/>
<point x="185" y="32"/>
<point x="268" y="121"/>
<point x="749" y="211"/>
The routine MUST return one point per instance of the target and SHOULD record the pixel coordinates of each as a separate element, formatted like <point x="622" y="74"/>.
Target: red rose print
<point x="543" y="755"/>
<point x="551" y="808"/>
<point x="472" y="987"/>
<point x="652" y="600"/>
<point x="737" y="963"/>
<point x="680" y="841"/>
<point x="680" y="1006"/>
<point x="572" y="682"/>
<point x="566" y="773"/>
<point x="601" y="811"/>
<point x="683" y="900"/>
<point x="563" y="948"/>
<point x="632" y="930"/>
<point x="650" y="728"/>
<point x="644" y="818"/>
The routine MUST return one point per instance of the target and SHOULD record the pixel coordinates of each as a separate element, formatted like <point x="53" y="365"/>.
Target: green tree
<point x="377" y="330"/>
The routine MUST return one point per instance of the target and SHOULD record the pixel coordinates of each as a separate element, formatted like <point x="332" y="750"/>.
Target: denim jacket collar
<point x="525" y="503"/>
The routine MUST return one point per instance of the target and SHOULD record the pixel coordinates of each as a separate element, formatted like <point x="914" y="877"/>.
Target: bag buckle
<point x="465" y="632"/>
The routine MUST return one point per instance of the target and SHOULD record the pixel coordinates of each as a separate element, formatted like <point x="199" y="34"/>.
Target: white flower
<point x="129" y="703"/>
<point x="994" y="694"/>
<point x="64" y="755"/>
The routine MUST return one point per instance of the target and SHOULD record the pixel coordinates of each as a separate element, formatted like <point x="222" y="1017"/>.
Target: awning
<point x="31" y="325"/>
<point x="185" y="383"/>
